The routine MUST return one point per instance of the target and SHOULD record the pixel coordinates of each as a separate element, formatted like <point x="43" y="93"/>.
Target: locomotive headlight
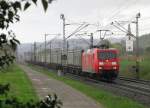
<point x="114" y="63"/>
<point x="101" y="63"/>
<point x="114" y="67"/>
<point x="100" y="68"/>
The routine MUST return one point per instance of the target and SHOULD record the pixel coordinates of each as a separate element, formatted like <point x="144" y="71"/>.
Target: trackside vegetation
<point x="15" y="87"/>
<point x="20" y="85"/>
<point x="127" y="70"/>
<point x="17" y="91"/>
<point x="107" y="99"/>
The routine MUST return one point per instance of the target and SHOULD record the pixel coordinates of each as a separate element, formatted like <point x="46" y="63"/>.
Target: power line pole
<point x="40" y="52"/>
<point x="91" y="40"/>
<point x="64" y="24"/>
<point x="137" y="46"/>
<point x="34" y="52"/>
<point x="138" y="15"/>
<point x="31" y="54"/>
<point x="64" y="53"/>
<point x="50" y="51"/>
<point x="45" y="49"/>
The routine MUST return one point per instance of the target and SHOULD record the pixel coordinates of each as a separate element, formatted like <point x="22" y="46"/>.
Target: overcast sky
<point x="35" y="22"/>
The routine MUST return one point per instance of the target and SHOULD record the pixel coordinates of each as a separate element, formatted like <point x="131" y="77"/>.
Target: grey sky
<point x="35" y="23"/>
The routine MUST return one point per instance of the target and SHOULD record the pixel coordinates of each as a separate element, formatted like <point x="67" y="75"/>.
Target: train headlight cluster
<point x="101" y="63"/>
<point x="100" y="68"/>
<point x="114" y="63"/>
<point x="114" y="67"/>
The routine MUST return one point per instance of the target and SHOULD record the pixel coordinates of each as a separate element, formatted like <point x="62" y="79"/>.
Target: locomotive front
<point x="108" y="63"/>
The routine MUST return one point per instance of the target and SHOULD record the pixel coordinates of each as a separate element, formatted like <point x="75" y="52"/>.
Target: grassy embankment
<point x="20" y="85"/>
<point x="127" y="63"/>
<point x="108" y="100"/>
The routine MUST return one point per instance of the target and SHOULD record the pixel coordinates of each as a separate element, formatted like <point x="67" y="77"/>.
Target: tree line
<point x="9" y="14"/>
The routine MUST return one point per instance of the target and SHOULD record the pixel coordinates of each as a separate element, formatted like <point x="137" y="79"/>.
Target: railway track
<point x="134" y="80"/>
<point x="142" y="85"/>
<point x="135" y="90"/>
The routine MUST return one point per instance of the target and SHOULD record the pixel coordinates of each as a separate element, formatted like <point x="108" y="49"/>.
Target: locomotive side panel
<point x="96" y="61"/>
<point x="88" y="61"/>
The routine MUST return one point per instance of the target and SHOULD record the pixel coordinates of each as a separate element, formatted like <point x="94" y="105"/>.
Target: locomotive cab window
<point x="107" y="55"/>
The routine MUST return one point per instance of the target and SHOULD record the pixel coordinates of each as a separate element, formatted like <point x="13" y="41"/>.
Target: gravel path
<point x="70" y="97"/>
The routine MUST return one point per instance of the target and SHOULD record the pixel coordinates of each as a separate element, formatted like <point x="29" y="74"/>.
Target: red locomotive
<point x="101" y="62"/>
<point x="97" y="62"/>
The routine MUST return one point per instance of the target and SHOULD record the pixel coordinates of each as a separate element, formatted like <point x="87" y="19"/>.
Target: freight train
<point x="94" y="62"/>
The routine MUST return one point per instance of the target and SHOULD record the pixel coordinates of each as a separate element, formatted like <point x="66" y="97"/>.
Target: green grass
<point x="144" y="68"/>
<point x="20" y="85"/>
<point x="107" y="99"/>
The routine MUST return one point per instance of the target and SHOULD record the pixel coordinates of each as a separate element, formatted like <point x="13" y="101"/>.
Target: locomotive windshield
<point x="107" y="55"/>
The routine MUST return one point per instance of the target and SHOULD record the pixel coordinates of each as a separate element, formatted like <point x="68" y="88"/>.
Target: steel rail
<point x="139" y="94"/>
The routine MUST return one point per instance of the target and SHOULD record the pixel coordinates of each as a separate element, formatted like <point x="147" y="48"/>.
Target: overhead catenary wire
<point x="120" y="25"/>
<point x="83" y="39"/>
<point x="77" y="30"/>
<point x="119" y="28"/>
<point x="49" y="42"/>
<point x="145" y="19"/>
<point x="118" y="11"/>
<point x="114" y="12"/>
<point x="121" y="8"/>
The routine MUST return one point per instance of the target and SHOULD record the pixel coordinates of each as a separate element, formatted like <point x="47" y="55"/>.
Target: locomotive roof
<point x="108" y="49"/>
<point x="98" y="49"/>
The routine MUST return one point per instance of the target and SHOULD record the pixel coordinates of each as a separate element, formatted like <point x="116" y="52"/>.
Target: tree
<point x="9" y="10"/>
<point x="50" y="101"/>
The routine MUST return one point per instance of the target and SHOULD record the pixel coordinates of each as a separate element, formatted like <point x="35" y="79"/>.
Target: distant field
<point x="127" y="62"/>
<point x="20" y="86"/>
<point x="106" y="99"/>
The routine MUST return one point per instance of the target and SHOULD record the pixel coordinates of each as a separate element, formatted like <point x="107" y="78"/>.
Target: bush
<point x="50" y="101"/>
